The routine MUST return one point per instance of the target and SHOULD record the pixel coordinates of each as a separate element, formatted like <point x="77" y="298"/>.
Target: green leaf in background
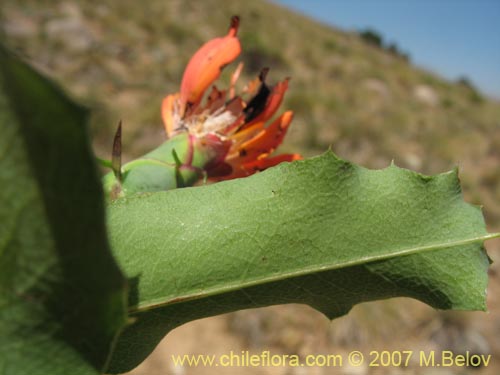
<point x="323" y="232"/>
<point x="62" y="297"/>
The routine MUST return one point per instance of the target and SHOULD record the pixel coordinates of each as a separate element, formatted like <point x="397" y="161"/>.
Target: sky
<point x="453" y="38"/>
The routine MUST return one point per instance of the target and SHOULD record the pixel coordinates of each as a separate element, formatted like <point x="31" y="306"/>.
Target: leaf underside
<point x="62" y="297"/>
<point x="323" y="232"/>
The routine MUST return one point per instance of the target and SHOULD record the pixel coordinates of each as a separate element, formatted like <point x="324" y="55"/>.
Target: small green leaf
<point x="323" y="232"/>
<point x="62" y="297"/>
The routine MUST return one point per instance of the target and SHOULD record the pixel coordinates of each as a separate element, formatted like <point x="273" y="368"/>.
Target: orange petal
<point x="261" y="164"/>
<point x="167" y="113"/>
<point x="240" y="120"/>
<point x="252" y="86"/>
<point x="234" y="78"/>
<point x="266" y="140"/>
<point x="245" y="134"/>
<point x="206" y="64"/>
<point x="215" y="99"/>
<point x="273" y="102"/>
<point x="252" y="167"/>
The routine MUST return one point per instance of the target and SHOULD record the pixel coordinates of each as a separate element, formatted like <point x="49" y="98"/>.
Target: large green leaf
<point x="62" y="297"/>
<point x="323" y="232"/>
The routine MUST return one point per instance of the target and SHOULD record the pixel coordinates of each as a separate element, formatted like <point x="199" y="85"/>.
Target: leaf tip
<point x="116" y="156"/>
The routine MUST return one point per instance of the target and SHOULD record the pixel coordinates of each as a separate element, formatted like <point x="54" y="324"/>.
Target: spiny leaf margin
<point x="300" y="226"/>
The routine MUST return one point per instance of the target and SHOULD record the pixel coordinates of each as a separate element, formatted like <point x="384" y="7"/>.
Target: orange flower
<point x="223" y="116"/>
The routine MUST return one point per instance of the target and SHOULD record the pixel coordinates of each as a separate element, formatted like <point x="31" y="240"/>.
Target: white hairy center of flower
<point x="205" y="123"/>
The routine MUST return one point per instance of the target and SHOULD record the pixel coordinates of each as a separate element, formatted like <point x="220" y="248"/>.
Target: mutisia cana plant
<point x="221" y="138"/>
<point x="354" y="235"/>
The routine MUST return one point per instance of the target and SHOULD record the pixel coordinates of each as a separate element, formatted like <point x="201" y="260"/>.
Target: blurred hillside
<point x="121" y="57"/>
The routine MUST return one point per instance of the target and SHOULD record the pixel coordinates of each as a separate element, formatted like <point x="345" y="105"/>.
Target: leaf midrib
<point x="154" y="304"/>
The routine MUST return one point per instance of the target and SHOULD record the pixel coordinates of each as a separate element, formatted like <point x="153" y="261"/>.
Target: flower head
<point x="235" y="128"/>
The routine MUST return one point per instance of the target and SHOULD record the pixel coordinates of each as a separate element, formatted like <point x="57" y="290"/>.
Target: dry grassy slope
<point x="123" y="56"/>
